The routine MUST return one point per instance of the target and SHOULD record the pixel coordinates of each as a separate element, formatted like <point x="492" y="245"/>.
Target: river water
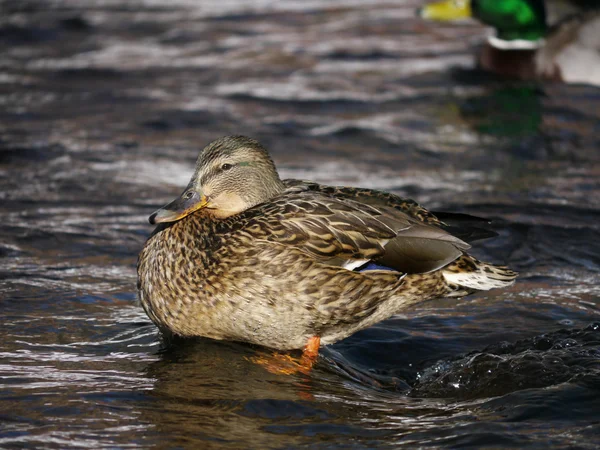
<point x="104" y="107"/>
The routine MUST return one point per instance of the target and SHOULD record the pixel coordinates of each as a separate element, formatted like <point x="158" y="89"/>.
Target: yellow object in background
<point x="447" y="10"/>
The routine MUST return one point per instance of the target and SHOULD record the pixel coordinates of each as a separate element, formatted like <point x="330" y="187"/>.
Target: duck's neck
<point x="514" y="20"/>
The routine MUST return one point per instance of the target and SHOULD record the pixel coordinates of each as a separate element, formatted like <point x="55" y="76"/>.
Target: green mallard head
<point x="232" y="174"/>
<point x="514" y="20"/>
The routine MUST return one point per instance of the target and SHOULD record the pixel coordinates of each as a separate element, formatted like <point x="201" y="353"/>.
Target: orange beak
<point x="182" y="206"/>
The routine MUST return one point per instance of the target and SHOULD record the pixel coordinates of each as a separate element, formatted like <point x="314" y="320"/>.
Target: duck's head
<point x="232" y="174"/>
<point x="514" y="20"/>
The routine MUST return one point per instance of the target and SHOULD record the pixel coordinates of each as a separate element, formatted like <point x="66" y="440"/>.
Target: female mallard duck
<point x="242" y="255"/>
<point x="557" y="40"/>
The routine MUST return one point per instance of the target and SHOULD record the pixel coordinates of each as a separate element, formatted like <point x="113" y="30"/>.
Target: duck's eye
<point x="226" y="166"/>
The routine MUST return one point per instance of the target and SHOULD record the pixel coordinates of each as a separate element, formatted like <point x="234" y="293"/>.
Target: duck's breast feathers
<point x="338" y="230"/>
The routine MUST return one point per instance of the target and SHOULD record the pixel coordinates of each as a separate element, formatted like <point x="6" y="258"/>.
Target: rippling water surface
<point x="104" y="107"/>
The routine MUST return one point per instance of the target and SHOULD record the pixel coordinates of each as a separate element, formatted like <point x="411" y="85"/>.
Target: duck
<point x="556" y="40"/>
<point x="242" y="255"/>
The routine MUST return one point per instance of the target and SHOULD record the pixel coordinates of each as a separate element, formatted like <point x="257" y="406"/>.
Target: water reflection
<point x="211" y="391"/>
<point x="506" y="112"/>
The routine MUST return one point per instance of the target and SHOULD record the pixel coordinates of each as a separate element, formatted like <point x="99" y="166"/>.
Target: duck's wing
<point x="571" y="52"/>
<point x="348" y="233"/>
<point x="370" y="197"/>
<point x="463" y="226"/>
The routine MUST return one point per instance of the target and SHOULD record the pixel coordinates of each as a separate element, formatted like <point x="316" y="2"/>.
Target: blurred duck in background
<point x="556" y="40"/>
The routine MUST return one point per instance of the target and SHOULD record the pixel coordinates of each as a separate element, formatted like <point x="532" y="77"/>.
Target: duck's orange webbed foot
<point x="286" y="364"/>
<point x="310" y="353"/>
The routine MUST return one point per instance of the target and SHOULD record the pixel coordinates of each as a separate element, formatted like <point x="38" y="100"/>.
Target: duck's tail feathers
<point x="467" y="275"/>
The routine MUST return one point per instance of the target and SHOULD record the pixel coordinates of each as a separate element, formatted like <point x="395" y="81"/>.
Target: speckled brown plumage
<point x="279" y="272"/>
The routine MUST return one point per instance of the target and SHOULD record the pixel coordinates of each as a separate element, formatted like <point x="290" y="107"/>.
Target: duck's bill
<point x="447" y="10"/>
<point x="184" y="205"/>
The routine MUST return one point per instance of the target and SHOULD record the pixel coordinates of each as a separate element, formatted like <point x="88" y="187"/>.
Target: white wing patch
<point x="352" y="264"/>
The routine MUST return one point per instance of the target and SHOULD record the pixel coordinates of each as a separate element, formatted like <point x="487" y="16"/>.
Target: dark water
<point x="104" y="106"/>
